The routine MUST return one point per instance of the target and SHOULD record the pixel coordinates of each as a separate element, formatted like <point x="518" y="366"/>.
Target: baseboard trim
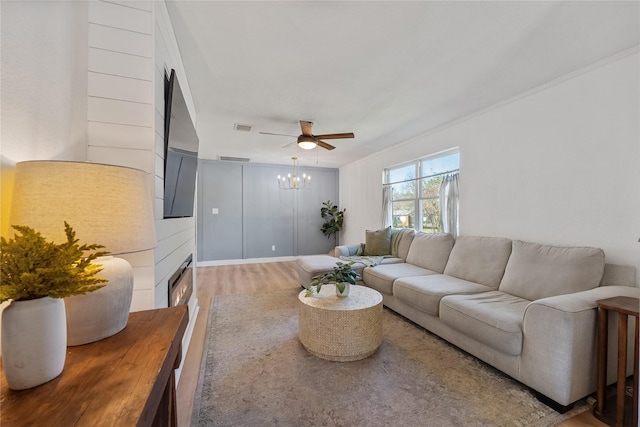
<point x="244" y="261"/>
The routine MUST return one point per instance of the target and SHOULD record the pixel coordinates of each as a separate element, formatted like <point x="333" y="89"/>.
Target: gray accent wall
<point x="219" y="236"/>
<point x="309" y="238"/>
<point x="256" y="219"/>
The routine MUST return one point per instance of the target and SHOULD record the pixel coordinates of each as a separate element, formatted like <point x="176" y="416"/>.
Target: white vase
<point x="34" y="341"/>
<point x="345" y="291"/>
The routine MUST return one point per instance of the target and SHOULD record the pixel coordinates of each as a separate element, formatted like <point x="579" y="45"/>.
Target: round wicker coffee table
<point x="341" y="329"/>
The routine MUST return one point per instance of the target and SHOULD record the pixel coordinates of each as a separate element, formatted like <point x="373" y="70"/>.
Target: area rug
<point x="255" y="372"/>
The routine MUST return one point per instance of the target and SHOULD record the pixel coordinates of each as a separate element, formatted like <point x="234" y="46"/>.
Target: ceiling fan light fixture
<point x="307" y="142"/>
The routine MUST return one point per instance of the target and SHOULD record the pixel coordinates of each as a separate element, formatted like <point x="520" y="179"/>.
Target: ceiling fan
<point x="309" y="141"/>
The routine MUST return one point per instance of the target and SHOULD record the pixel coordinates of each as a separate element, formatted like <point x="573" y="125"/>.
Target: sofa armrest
<point x="559" y="342"/>
<point x="346" y="250"/>
<point x="584" y="300"/>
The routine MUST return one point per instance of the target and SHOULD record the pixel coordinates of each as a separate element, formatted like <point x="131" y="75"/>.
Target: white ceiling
<point x="386" y="71"/>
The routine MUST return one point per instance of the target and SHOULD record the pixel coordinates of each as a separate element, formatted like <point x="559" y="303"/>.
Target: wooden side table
<point x="123" y="380"/>
<point x="605" y="410"/>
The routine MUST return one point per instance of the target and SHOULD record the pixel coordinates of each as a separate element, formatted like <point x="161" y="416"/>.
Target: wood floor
<point x="244" y="279"/>
<point x="224" y="280"/>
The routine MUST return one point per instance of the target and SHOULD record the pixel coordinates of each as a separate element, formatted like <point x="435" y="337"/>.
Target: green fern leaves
<point x="32" y="267"/>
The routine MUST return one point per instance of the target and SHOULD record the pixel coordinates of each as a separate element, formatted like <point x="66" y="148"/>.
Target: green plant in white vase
<point x="34" y="276"/>
<point x="33" y="268"/>
<point x="342" y="275"/>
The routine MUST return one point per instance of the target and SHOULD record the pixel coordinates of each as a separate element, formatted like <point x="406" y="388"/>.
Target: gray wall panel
<point x="219" y="187"/>
<point x="255" y="215"/>
<point x="269" y="214"/>
<point x="309" y="237"/>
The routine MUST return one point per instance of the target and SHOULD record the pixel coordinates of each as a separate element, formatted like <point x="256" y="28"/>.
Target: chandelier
<point x="292" y="181"/>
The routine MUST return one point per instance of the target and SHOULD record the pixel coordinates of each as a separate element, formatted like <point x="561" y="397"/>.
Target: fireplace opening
<point x="181" y="283"/>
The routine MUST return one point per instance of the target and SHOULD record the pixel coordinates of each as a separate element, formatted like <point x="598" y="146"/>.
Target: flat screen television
<point x="180" y="152"/>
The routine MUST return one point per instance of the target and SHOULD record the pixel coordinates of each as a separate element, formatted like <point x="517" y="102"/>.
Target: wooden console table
<point x="125" y="380"/>
<point x="611" y="409"/>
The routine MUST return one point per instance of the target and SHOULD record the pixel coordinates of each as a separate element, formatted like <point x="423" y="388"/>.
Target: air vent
<point x="243" y="128"/>
<point x="235" y="159"/>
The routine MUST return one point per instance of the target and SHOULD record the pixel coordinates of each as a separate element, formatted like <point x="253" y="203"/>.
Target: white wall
<point x="120" y="107"/>
<point x="77" y="84"/>
<point x="82" y="81"/>
<point x="43" y="80"/>
<point x="43" y="86"/>
<point x="558" y="165"/>
<point x="130" y="43"/>
<point x="176" y="237"/>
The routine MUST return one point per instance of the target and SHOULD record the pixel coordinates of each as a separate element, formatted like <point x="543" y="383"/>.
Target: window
<point x="415" y="191"/>
<point x="403" y="190"/>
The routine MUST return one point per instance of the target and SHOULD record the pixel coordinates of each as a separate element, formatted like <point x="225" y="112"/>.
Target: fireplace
<point x="181" y="283"/>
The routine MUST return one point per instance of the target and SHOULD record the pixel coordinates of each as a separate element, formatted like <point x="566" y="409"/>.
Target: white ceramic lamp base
<point x="105" y="312"/>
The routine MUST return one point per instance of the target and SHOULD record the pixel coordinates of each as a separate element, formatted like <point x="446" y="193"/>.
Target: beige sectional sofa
<point x="527" y="309"/>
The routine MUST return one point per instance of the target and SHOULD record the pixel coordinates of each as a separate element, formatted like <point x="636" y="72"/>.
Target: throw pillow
<point x="378" y="242"/>
<point x="396" y="235"/>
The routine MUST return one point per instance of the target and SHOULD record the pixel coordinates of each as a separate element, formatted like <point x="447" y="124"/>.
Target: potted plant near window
<point x="343" y="276"/>
<point x="333" y="220"/>
<point x="34" y="276"/>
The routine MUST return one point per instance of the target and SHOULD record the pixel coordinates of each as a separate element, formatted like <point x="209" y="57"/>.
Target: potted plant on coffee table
<point x="35" y="276"/>
<point x="342" y="275"/>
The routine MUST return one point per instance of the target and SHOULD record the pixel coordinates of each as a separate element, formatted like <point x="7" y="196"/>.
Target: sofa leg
<point x="553" y="404"/>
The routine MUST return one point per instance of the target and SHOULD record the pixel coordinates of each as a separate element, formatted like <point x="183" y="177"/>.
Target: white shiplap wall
<point x="176" y="237"/>
<point x="130" y="45"/>
<point x="120" y="106"/>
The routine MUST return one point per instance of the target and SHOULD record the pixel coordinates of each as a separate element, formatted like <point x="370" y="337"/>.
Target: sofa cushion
<point x="479" y="259"/>
<point x="391" y="260"/>
<point x="405" y="243"/>
<point x="537" y="271"/>
<point x="425" y="292"/>
<point x="493" y="318"/>
<point x="430" y="251"/>
<point x="378" y="242"/>
<point x="381" y="277"/>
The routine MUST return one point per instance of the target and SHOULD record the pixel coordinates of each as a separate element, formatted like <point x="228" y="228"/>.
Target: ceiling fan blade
<point x="278" y="134"/>
<point x="288" y="145"/>
<point x="306" y="127"/>
<point x="336" y="135"/>
<point x="325" y="145"/>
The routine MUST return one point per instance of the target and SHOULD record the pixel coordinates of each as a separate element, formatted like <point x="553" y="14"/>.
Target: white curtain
<point x="386" y="206"/>
<point x="449" y="204"/>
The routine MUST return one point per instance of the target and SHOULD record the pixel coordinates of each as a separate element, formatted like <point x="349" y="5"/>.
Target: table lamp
<point x="105" y="204"/>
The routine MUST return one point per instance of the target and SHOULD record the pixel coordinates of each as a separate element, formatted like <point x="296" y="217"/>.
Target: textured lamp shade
<point x="105" y="204"/>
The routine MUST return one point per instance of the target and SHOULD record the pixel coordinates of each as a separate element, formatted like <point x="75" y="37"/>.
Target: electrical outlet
<point x="214" y="211"/>
<point x="273" y="247"/>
